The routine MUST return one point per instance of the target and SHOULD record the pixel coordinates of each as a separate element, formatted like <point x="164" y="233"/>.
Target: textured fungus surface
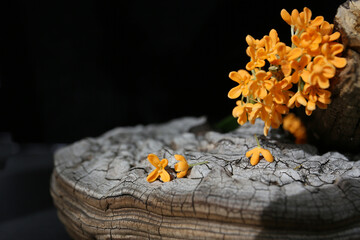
<point x="99" y="187"/>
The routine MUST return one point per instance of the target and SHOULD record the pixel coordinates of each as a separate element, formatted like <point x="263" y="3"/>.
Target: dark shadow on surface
<point x="329" y="212"/>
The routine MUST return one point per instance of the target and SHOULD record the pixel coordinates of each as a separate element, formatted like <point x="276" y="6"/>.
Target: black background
<point x="73" y="69"/>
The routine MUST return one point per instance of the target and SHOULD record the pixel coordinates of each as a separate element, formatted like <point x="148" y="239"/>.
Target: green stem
<point x="195" y="164"/>
<point x="257" y="140"/>
<point x="253" y="73"/>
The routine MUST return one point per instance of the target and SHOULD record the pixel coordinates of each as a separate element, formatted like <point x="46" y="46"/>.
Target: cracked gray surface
<point x="99" y="187"/>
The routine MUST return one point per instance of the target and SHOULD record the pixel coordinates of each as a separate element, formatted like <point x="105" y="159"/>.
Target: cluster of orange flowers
<point x="181" y="168"/>
<point x="309" y="63"/>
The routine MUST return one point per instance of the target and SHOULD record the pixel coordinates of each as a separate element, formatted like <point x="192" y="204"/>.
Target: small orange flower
<point x="255" y="155"/>
<point x="326" y="30"/>
<point x="319" y="72"/>
<point x="304" y="21"/>
<point x="290" y="19"/>
<point x="298" y="99"/>
<point x="278" y="91"/>
<point x="309" y="42"/>
<point x="241" y="111"/>
<point x="255" y="43"/>
<point x="257" y="57"/>
<point x="257" y="86"/>
<point x="330" y="51"/>
<point x="160" y="169"/>
<point x="316" y="96"/>
<point x="242" y="77"/>
<point x="299" y="66"/>
<point x="286" y="55"/>
<point x="270" y="45"/>
<point x="294" y="125"/>
<point x="301" y="21"/>
<point x="181" y="167"/>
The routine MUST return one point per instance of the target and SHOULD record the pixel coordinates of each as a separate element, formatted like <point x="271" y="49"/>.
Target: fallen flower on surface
<point x="160" y="169"/>
<point x="255" y="154"/>
<point x="182" y="166"/>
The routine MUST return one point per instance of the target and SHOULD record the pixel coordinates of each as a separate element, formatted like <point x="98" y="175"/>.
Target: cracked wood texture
<point x="338" y="127"/>
<point x="99" y="187"/>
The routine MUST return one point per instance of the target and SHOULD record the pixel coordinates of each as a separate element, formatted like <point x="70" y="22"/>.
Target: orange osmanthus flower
<point x="255" y="154"/>
<point x="181" y="167"/>
<point x="319" y="71"/>
<point x="326" y="31"/>
<point x="286" y="55"/>
<point x="297" y="100"/>
<point x="309" y="42"/>
<point x="241" y="111"/>
<point x="299" y="66"/>
<point x="257" y="86"/>
<point x="270" y="45"/>
<point x="242" y="77"/>
<point x="316" y="96"/>
<point x="255" y="43"/>
<point x="160" y="169"/>
<point x="256" y="58"/>
<point x="330" y="52"/>
<point x="294" y="125"/>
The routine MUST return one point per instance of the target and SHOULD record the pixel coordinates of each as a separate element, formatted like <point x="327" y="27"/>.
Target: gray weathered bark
<point x="338" y="127"/>
<point x="99" y="187"/>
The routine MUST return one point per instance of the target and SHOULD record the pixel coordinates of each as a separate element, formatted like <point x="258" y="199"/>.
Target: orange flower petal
<point x="153" y="159"/>
<point x="251" y="152"/>
<point x="286" y="16"/>
<point x="308" y="112"/>
<point x="334" y="36"/>
<point x="267" y="155"/>
<point x="306" y="76"/>
<point x="164" y="176"/>
<point x="300" y="99"/>
<point x="181" y="174"/>
<point x="311" y="106"/>
<point x="286" y="69"/>
<point x="254" y="159"/>
<point x="307" y="14"/>
<point x="153" y="176"/>
<point x="296" y="40"/>
<point x="164" y="163"/>
<point x="235" y="92"/>
<point x="294" y="16"/>
<point x="242" y="119"/>
<point x="235" y="76"/>
<point x="294" y="53"/>
<point x="250" y="66"/>
<point x="244" y="74"/>
<point x="317" y="21"/>
<point x="337" y="48"/>
<point x="281" y="49"/>
<point x="339" y="62"/>
<point x="238" y="111"/>
<point x="250" y="40"/>
<point x="181" y="166"/>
